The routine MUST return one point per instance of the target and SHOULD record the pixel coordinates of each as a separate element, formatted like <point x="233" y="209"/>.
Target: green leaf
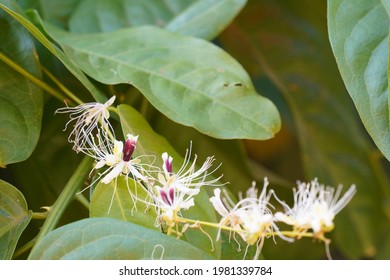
<point x="333" y="146"/>
<point x="180" y="76"/>
<point x="14" y="218"/>
<point x="21" y="101"/>
<point x="202" y="18"/>
<point x="105" y="238"/>
<point x="40" y="35"/>
<point x="113" y="200"/>
<point x="153" y="145"/>
<point x="358" y="31"/>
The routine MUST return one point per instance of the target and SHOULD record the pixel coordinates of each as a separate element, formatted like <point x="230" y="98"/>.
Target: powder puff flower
<point x="315" y="207"/>
<point x="87" y="118"/>
<point x="251" y="217"/>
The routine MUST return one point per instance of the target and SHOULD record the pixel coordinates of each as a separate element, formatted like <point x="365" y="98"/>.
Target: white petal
<point x="218" y="204"/>
<point x="187" y="204"/>
<point x="115" y="172"/>
<point x="110" y="101"/>
<point x="100" y="164"/>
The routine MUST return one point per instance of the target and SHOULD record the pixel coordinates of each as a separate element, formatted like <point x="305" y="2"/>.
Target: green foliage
<point x="114" y="200"/>
<point x="105" y="238"/>
<point x="14" y="217"/>
<point x="20" y="100"/>
<point x="163" y="67"/>
<point x="362" y="58"/>
<point x="195" y="79"/>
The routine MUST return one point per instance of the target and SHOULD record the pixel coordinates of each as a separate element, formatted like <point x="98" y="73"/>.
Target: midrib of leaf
<point x="188" y="87"/>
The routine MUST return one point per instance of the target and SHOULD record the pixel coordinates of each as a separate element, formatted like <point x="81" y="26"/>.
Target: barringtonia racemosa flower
<point x="315" y="207"/>
<point x="89" y="118"/>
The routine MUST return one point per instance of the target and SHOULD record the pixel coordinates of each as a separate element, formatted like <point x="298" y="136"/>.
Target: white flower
<point x="174" y="192"/>
<point x="251" y="217"/>
<point x="315" y="207"/>
<point x="169" y="201"/>
<point x="88" y="118"/>
<point x="225" y="207"/>
<point x="187" y="176"/>
<point x="118" y="159"/>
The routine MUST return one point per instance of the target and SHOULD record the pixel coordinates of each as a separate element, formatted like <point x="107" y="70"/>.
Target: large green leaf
<point x="189" y="80"/>
<point x="198" y="18"/>
<point x="152" y="144"/>
<point x="358" y="32"/>
<point x="298" y="61"/>
<point x="110" y="239"/>
<point x="14" y="217"/>
<point x="42" y="37"/>
<point x="20" y="100"/>
<point x="113" y="200"/>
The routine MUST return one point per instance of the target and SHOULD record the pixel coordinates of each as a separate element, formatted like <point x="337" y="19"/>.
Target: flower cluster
<point x="170" y="191"/>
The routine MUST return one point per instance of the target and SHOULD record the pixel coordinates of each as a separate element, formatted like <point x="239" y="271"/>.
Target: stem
<point x="39" y="215"/>
<point x="185" y="220"/>
<point x="61" y="86"/>
<point x="24" y="248"/>
<point x="293" y="234"/>
<point x="66" y="196"/>
<point x="31" y="77"/>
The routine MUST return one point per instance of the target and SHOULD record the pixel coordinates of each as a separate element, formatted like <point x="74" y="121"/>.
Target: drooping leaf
<point x="334" y="148"/>
<point x="189" y="80"/>
<point x="114" y="200"/>
<point x="153" y="145"/>
<point x="198" y="18"/>
<point x="20" y="100"/>
<point x="359" y="31"/>
<point x="110" y="239"/>
<point x="14" y="218"/>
